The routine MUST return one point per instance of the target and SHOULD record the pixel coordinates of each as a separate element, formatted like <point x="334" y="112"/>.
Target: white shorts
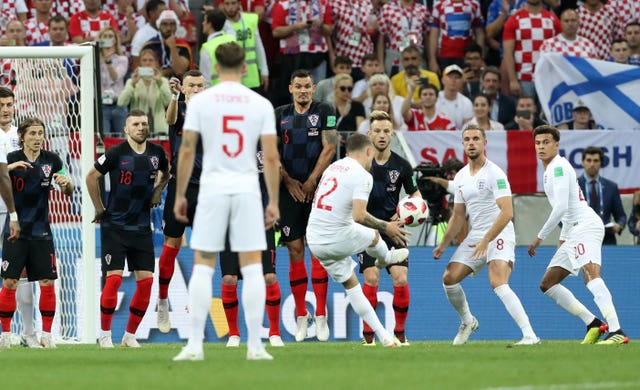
<point x="583" y="246"/>
<point x="501" y="248"/>
<point x="242" y="214"/>
<point x="336" y="257"/>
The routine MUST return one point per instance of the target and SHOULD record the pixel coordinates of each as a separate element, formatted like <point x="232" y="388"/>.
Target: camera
<point x="145" y="71"/>
<point x="431" y="191"/>
<point x="106" y="43"/>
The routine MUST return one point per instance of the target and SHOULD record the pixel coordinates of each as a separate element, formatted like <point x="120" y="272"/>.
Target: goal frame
<point x="87" y="320"/>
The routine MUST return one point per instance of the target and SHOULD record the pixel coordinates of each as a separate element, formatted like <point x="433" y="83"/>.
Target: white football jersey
<point x="566" y="198"/>
<point x="479" y="193"/>
<point x="342" y="182"/>
<point x="9" y="142"/>
<point x="230" y="119"/>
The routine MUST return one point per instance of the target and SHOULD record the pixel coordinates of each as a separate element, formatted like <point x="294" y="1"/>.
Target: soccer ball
<point x="412" y="211"/>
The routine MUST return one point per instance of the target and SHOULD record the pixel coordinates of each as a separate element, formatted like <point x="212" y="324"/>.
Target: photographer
<point x="526" y="115"/>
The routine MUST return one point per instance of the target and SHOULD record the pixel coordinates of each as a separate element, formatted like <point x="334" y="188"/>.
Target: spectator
<point x="427" y="116"/>
<point x="503" y="107"/>
<point x="303" y="28"/>
<point x="381" y="102"/>
<point x="620" y="51"/>
<point x="15" y="34"/>
<point x="568" y="42"/>
<point x="581" y="119"/>
<point x="37" y="27"/>
<point x="526" y="115"/>
<point x="128" y="20"/>
<point x="152" y="9"/>
<point x="85" y="25"/>
<point x="634" y="223"/>
<point x="325" y="88"/>
<point x="632" y="35"/>
<point x="11" y="9"/>
<point x="454" y="24"/>
<point x="403" y="23"/>
<point x="451" y="102"/>
<point x="598" y="23"/>
<point x="349" y="114"/>
<point x="602" y="194"/>
<point x="628" y="12"/>
<point x="64" y="8"/>
<point x="411" y="61"/>
<point x="380" y="83"/>
<point x="481" y="110"/>
<point x="113" y="67"/>
<point x="58" y="32"/>
<point x="212" y="26"/>
<point x="148" y="91"/>
<point x="523" y="35"/>
<point x="370" y="66"/>
<point x="351" y="25"/>
<point x="472" y="70"/>
<point x="174" y="53"/>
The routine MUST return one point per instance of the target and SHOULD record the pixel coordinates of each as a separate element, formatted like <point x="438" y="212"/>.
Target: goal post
<point x="42" y="89"/>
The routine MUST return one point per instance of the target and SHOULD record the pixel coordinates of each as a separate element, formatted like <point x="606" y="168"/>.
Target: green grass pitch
<point x="334" y="365"/>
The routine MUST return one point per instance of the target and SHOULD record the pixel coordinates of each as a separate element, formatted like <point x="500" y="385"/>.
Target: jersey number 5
<point x="230" y="130"/>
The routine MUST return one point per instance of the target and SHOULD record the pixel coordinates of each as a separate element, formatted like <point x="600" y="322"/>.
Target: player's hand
<point x="514" y="86"/>
<point x="271" y="216"/>
<point x="180" y="209"/>
<point x="61" y="180"/>
<point x="99" y="217"/>
<point x="14" y="231"/>
<point x="19" y="166"/>
<point x="174" y="85"/>
<point x="295" y="189"/>
<point x="438" y="251"/>
<point x="399" y="235"/>
<point x="171" y="41"/>
<point x="156" y="200"/>
<point x="480" y="250"/>
<point x="309" y="189"/>
<point x="532" y="248"/>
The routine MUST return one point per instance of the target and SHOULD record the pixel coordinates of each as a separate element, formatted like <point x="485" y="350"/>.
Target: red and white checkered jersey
<point x="81" y="25"/>
<point x="64" y="8"/>
<point x="628" y="11"/>
<point x="529" y="31"/>
<point x="397" y="23"/>
<point x="419" y="122"/>
<point x="9" y="10"/>
<point x="6" y="73"/>
<point x="599" y="27"/>
<point x="457" y="21"/>
<point x="350" y="23"/>
<point x="579" y="47"/>
<point x="36" y="31"/>
<point x="121" y="20"/>
<point x="289" y="12"/>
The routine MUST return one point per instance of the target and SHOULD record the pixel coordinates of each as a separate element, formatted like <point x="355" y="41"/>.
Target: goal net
<point x="56" y="85"/>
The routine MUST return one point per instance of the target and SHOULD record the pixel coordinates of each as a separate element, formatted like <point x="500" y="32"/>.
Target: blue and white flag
<point x="610" y="90"/>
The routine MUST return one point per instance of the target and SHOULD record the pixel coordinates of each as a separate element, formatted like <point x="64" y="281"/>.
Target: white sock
<point x="515" y="309"/>
<point x="602" y="298"/>
<point x="458" y="300"/>
<point x="200" y="290"/>
<point x="380" y="251"/>
<point x="24" y="300"/>
<point x="254" y="294"/>
<point x="361" y="305"/>
<point x="566" y="300"/>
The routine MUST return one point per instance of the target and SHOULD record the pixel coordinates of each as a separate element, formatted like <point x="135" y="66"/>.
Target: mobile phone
<point x="424" y="81"/>
<point x="309" y="22"/>
<point x="466" y="67"/>
<point x="145" y="71"/>
<point x="106" y="43"/>
<point x="524" y="114"/>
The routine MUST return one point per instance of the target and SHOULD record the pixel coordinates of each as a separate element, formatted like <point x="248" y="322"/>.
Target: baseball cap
<point x="579" y="105"/>
<point x="167" y="14"/>
<point x="452" y="68"/>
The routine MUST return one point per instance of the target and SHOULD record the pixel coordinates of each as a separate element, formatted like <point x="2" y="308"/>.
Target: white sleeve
<point x="363" y="187"/>
<point x="192" y="118"/>
<point x="500" y="184"/>
<point x="457" y="195"/>
<point x="269" y="122"/>
<point x="261" y="56"/>
<point x="560" y="204"/>
<point x="451" y="188"/>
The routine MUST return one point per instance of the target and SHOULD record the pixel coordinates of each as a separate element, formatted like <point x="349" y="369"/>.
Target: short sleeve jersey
<point x="579" y="47"/>
<point x="9" y="142"/>
<point x="457" y="21"/>
<point x="31" y="193"/>
<point x="480" y="192"/>
<point x="175" y="140"/>
<point x="342" y="182"/>
<point x="419" y="122"/>
<point x="561" y="187"/>
<point x="84" y="26"/>
<point x="132" y="177"/>
<point x="388" y="180"/>
<point x="229" y="135"/>
<point x="301" y="137"/>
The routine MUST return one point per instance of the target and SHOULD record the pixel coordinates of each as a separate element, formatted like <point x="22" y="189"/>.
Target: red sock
<point x="298" y="282"/>
<point x="7" y="307"/>
<point x="47" y="306"/>
<point x="320" y="283"/>
<point x="167" y="263"/>
<point x="230" y="304"/>
<point x="139" y="304"/>
<point x="109" y="300"/>
<point x="371" y="292"/>
<point x="273" y="308"/>
<point x="400" y="306"/>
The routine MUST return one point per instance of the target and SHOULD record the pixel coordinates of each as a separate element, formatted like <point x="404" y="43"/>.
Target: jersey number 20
<point x="227" y="129"/>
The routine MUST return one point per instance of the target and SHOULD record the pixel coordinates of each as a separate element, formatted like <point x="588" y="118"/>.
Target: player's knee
<point x="270" y="279"/>
<point x="372" y="279"/>
<point x="545" y="286"/>
<point x="400" y="280"/>
<point x="46" y="282"/>
<point x="229" y="280"/>
<point x="448" y="279"/>
<point x="11" y="284"/>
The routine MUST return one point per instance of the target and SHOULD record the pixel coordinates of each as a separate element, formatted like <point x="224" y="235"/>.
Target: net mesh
<point x="48" y="88"/>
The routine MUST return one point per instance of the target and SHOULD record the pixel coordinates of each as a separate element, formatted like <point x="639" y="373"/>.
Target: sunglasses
<point x="343" y="88"/>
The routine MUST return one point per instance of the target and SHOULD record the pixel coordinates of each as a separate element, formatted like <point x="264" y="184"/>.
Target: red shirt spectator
<point x="83" y="27"/>
<point x="419" y="122"/>
<point x="403" y="26"/>
<point x="310" y="40"/>
<point x="351" y="38"/>
<point x="599" y="23"/>
<point x="64" y="8"/>
<point x="456" y="21"/>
